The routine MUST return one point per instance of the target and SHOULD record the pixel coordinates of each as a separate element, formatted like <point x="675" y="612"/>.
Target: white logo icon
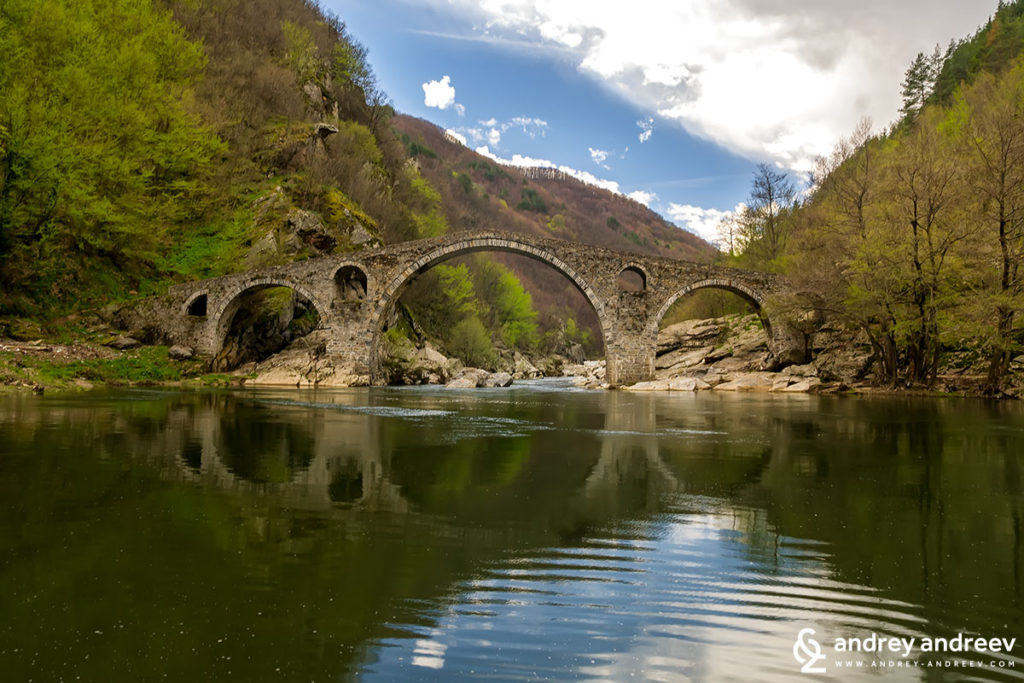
<point x="807" y="651"/>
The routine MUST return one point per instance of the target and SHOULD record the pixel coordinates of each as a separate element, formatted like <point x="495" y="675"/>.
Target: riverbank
<point x="43" y="366"/>
<point x="721" y="354"/>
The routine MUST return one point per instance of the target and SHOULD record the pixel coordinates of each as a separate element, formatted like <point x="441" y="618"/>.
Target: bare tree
<point x="763" y="227"/>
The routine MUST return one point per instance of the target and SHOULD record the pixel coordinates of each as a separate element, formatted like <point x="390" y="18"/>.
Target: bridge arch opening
<point x="711" y="323"/>
<point x="197" y="305"/>
<point x="260" y="319"/>
<point x="570" y="319"/>
<point x="259" y="447"/>
<point x="351" y="284"/>
<point x="632" y="279"/>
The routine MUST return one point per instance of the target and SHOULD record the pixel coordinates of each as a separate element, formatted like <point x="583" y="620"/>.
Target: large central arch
<point x="393" y="289"/>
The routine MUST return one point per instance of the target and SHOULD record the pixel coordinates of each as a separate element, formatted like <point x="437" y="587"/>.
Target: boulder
<point x="178" y="352"/>
<point x="652" y="385"/>
<point x="682" y="359"/>
<point x="523" y="368"/>
<point x="808" y="384"/>
<point x="476" y="374"/>
<point x="843" y="364"/>
<point x="462" y="383"/>
<point x="807" y="370"/>
<point x="124" y="343"/>
<point x="498" y="379"/>
<point x="675" y="384"/>
<point x="23" y="330"/>
<point x="752" y="381"/>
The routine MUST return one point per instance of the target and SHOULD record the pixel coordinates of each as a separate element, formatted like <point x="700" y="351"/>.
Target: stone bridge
<point x="355" y="294"/>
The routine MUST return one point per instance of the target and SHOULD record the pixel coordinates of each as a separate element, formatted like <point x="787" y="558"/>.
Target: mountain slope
<point x="478" y="193"/>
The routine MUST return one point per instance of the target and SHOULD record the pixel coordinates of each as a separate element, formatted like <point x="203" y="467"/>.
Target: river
<point x="537" y="532"/>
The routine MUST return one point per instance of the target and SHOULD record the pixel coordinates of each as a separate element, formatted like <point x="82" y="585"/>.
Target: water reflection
<point x="527" y="533"/>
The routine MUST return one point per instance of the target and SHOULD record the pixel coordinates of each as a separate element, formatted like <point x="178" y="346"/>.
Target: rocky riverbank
<point x="720" y="354"/>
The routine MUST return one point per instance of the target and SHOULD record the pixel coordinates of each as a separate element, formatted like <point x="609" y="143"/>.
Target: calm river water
<point x="530" y="533"/>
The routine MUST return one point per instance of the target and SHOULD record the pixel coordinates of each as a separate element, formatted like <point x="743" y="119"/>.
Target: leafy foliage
<point x="101" y="151"/>
<point x="531" y="201"/>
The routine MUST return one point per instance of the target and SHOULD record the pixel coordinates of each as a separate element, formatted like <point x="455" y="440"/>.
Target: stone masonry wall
<point x="354" y="293"/>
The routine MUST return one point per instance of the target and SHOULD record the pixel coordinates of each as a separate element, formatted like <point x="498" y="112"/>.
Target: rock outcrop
<point x="726" y="354"/>
<point x="304" y="363"/>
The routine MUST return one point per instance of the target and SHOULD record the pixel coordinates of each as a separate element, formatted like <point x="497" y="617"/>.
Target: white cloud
<point x="493" y="129"/>
<point x="531" y="126"/>
<point x="459" y="109"/>
<point x="646" y="129"/>
<point x="598" y="155"/>
<point x="642" y="196"/>
<point x="708" y="224"/>
<point x="765" y="78"/>
<point x="439" y="94"/>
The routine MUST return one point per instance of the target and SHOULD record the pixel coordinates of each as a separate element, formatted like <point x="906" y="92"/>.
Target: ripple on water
<point x="681" y="597"/>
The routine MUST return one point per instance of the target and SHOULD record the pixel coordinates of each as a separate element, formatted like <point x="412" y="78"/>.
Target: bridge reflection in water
<point x="377" y="533"/>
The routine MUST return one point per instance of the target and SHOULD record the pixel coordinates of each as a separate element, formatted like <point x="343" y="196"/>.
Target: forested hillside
<point x="915" y="236"/>
<point x="478" y="193"/>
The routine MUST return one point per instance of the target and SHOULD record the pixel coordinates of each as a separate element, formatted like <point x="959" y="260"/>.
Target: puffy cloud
<point x="439" y="94"/>
<point x="705" y="223"/>
<point x="769" y="79"/>
<point x="533" y="127"/>
<point x="646" y="129"/>
<point x="642" y="196"/>
<point x="459" y="109"/>
<point x="598" y="155"/>
<point x="492" y="129"/>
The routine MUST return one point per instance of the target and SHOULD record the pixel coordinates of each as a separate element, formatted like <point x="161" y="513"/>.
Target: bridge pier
<point x="628" y="361"/>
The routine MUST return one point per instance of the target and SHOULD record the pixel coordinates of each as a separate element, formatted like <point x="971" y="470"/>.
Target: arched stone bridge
<point x="355" y="293"/>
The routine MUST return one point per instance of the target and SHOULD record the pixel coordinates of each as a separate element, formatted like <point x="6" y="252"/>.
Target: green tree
<point x="987" y="114"/>
<point x="925" y="212"/>
<point x="509" y="305"/>
<point x="101" y="150"/>
<point x="471" y="342"/>
<point x="919" y="82"/>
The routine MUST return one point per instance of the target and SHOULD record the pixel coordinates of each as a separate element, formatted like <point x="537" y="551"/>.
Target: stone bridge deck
<point x="355" y="293"/>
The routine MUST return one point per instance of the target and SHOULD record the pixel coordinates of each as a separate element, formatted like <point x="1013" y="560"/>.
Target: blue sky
<point x="671" y="102"/>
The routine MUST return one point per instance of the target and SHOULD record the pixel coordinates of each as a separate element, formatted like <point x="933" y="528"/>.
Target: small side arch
<point x="197" y="304"/>
<point x="752" y="296"/>
<point x="633" y="278"/>
<point x="351" y="283"/>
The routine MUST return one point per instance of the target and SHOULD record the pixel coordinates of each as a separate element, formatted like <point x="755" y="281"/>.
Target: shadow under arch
<point x="507" y="244"/>
<point x="224" y="314"/>
<point x="751" y="296"/>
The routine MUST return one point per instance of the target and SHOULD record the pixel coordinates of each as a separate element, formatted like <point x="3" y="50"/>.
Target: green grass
<point x="147" y="365"/>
